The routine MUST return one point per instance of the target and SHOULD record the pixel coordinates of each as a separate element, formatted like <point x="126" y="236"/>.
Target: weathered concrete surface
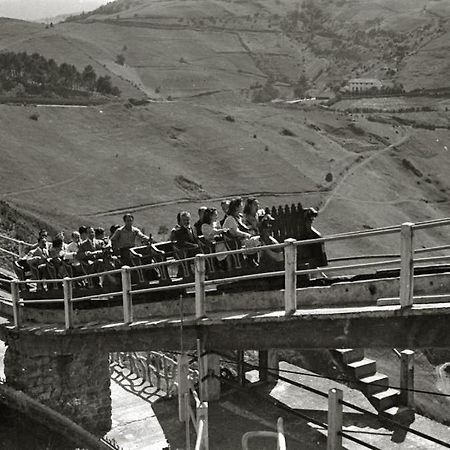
<point x="338" y="294"/>
<point x="420" y="326"/>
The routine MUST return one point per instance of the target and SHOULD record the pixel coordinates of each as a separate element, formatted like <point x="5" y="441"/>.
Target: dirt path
<point x="180" y="201"/>
<point x="353" y="168"/>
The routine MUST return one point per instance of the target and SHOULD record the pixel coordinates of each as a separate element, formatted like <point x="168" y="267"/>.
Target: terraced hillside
<point x="201" y="137"/>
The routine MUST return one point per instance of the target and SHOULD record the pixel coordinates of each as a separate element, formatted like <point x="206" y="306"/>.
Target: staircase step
<point x="401" y="414"/>
<point x="385" y="399"/>
<point x="374" y="383"/>
<point x="349" y="355"/>
<point x="363" y="368"/>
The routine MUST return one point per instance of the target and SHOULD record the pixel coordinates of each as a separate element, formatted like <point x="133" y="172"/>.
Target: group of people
<point x="91" y="251"/>
<point x="245" y="223"/>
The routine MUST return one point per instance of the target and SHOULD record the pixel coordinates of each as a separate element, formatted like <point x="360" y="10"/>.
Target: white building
<point x="364" y="84"/>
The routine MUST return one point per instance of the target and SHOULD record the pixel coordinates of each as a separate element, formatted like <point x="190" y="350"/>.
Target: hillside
<point x="199" y="62"/>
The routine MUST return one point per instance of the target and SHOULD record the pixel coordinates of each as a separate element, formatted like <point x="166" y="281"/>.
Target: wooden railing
<point x="21" y="246"/>
<point x="405" y="264"/>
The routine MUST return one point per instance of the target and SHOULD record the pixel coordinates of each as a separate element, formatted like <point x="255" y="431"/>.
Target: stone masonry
<point x="76" y="385"/>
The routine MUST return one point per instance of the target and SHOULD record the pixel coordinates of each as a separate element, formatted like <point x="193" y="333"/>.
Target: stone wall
<point x="76" y="385"/>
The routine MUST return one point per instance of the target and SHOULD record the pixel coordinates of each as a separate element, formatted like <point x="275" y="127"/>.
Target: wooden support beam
<point x="68" y="305"/>
<point x="183" y="386"/>
<point x="126" y="295"/>
<point x="335" y="417"/>
<point x="407" y="379"/>
<point x="200" y="270"/>
<point x="290" y="281"/>
<point x="407" y="264"/>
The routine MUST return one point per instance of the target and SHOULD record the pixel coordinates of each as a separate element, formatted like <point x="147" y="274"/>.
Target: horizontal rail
<point x="16" y="241"/>
<point x="28" y="281"/>
<point x="254" y="276"/>
<point x="432" y="223"/>
<point x="162" y="288"/>
<point x="15" y="255"/>
<point x="347" y="267"/>
<point x="96" y="297"/>
<point x="48" y="300"/>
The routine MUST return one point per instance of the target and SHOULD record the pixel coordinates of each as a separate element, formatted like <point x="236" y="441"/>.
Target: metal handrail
<point x="290" y="272"/>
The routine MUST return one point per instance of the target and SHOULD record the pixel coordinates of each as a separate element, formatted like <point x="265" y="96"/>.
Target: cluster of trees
<point x="34" y="74"/>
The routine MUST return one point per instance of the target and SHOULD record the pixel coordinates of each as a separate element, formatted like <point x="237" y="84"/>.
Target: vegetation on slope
<point x="21" y="73"/>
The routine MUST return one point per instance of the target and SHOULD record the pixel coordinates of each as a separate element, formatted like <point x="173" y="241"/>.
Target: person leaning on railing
<point x="124" y="239"/>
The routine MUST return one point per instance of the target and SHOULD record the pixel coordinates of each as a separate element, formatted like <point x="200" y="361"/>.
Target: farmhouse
<point x="364" y="84"/>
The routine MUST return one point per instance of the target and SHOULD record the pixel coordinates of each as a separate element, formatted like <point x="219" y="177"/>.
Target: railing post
<point x="21" y="249"/>
<point x="208" y="373"/>
<point x="334" y="440"/>
<point x="263" y="364"/>
<point x="188" y="420"/>
<point x="407" y="379"/>
<point x="183" y="386"/>
<point x="202" y="414"/>
<point x="407" y="264"/>
<point x="126" y="295"/>
<point x="68" y="305"/>
<point x="200" y="307"/>
<point x="290" y="278"/>
<point x="241" y="367"/>
<point x="15" y="294"/>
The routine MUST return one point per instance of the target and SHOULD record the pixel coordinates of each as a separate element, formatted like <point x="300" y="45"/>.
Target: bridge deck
<point x="422" y="325"/>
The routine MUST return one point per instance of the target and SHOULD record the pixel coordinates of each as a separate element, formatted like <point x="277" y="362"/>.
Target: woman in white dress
<point x="236" y="226"/>
<point x="213" y="233"/>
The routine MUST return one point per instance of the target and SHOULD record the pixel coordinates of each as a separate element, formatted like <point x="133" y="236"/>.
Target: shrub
<point x="120" y="59"/>
<point x="229" y="118"/>
<point x="34" y="116"/>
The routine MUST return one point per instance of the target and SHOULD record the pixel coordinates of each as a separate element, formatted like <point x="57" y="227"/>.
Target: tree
<point x="104" y="86"/>
<point x="88" y="78"/>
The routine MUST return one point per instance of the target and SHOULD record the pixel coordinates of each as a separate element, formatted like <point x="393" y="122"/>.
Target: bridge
<point x="391" y="301"/>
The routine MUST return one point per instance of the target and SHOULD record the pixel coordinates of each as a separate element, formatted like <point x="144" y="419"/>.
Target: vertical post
<point x="334" y="440"/>
<point x="263" y="360"/>
<point x="208" y="373"/>
<point x="188" y="419"/>
<point x="183" y="386"/>
<point x="241" y="367"/>
<point x="290" y="278"/>
<point x="68" y="305"/>
<point x="273" y="362"/>
<point x="126" y="295"/>
<point x="407" y="379"/>
<point x="15" y="294"/>
<point x="407" y="264"/>
<point x="21" y="249"/>
<point x="202" y="414"/>
<point x="200" y="309"/>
